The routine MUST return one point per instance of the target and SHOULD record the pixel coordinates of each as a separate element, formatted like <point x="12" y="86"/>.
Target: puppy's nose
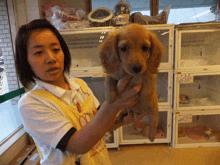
<point x="136" y="68"/>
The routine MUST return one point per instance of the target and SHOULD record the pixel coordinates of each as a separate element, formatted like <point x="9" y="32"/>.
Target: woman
<point x="60" y="113"/>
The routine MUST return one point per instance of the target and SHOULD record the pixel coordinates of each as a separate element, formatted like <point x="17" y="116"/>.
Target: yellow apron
<point x="98" y="155"/>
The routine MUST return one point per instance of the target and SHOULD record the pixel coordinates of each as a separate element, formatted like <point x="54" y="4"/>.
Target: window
<point x="186" y="11"/>
<point x="9" y="116"/>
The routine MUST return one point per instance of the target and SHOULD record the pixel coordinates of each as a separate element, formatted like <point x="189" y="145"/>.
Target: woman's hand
<point x="126" y="98"/>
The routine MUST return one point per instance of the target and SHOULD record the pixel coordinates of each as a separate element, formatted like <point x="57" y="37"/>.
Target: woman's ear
<point x="109" y="54"/>
<point x="156" y="53"/>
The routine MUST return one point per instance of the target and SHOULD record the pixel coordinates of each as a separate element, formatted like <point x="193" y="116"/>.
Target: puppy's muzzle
<point x="136" y="68"/>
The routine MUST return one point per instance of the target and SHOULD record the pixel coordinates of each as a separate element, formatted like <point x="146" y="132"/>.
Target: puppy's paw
<point x="152" y="134"/>
<point x="151" y="137"/>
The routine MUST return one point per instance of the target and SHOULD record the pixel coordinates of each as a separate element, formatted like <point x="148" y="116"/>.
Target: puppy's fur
<point x="133" y="51"/>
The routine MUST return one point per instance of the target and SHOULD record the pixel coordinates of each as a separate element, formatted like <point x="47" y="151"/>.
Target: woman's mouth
<point x="52" y="70"/>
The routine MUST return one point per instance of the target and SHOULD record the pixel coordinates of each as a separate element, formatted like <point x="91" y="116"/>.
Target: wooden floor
<point x="164" y="154"/>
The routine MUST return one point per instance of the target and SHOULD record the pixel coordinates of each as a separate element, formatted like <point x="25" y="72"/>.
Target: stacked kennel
<point x="134" y="133"/>
<point x="196" y="113"/>
<point x="84" y="50"/>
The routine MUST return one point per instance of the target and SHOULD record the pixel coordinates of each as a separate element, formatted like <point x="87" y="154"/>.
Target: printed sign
<point x="99" y="75"/>
<point x="187" y="78"/>
<point x="185" y="119"/>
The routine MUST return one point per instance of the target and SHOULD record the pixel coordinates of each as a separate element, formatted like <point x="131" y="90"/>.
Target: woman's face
<point x="45" y="56"/>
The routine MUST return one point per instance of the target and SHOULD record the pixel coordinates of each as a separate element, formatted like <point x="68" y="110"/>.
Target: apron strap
<point x="82" y="85"/>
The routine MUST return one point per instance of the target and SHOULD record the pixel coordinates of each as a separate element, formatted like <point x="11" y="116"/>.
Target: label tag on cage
<point x="99" y="75"/>
<point x="185" y="78"/>
<point x="184" y="118"/>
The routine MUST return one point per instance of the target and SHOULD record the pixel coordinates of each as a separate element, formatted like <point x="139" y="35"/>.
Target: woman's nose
<point x="50" y="56"/>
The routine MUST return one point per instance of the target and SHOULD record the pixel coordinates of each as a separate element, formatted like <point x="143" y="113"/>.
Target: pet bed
<point x="100" y="16"/>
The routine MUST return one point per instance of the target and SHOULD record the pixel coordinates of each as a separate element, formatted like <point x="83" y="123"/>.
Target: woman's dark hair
<point x="25" y="74"/>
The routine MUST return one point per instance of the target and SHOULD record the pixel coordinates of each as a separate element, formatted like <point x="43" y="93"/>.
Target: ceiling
<point x="140" y="5"/>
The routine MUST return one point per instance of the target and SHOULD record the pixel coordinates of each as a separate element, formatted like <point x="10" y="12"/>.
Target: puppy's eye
<point x="125" y="48"/>
<point x="144" y="48"/>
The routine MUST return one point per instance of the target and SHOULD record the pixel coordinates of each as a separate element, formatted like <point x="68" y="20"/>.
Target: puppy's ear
<point x="156" y="53"/>
<point x="109" y="53"/>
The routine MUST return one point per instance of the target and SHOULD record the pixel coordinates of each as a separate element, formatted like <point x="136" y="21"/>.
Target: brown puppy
<point x="136" y="52"/>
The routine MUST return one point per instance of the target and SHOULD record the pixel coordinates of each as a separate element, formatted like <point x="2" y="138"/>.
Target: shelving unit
<point x="196" y="85"/>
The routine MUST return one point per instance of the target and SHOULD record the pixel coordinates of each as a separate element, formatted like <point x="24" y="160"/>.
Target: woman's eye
<point x="38" y="53"/>
<point x="144" y="48"/>
<point x="56" y="50"/>
<point x="125" y="48"/>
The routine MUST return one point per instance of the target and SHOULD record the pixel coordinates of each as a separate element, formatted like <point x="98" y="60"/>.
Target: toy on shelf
<point x="122" y="12"/>
<point x="212" y="135"/>
<point x="161" y="18"/>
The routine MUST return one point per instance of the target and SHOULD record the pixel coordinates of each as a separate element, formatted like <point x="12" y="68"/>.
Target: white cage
<point x="197" y="47"/>
<point x="134" y="133"/>
<point x="196" y="129"/>
<point x="197" y="91"/>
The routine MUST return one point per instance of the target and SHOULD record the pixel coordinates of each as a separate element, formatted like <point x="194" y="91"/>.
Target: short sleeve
<point x="42" y="120"/>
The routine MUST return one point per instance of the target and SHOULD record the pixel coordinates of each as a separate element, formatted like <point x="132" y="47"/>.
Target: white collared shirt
<point x="67" y="96"/>
<point x="45" y="122"/>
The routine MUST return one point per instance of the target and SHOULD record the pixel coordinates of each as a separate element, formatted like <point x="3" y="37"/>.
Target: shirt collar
<point x="57" y="91"/>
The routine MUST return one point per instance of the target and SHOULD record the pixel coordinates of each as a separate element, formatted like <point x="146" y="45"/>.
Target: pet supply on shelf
<point x="100" y="17"/>
<point x="122" y="12"/>
<point x="48" y="13"/>
<point x="196" y="133"/>
<point x="184" y="99"/>
<point x="161" y="18"/>
<point x="67" y="18"/>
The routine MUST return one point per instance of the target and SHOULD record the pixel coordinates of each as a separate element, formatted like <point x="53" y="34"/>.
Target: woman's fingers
<point x="128" y="98"/>
<point x="122" y="83"/>
<point x="135" y="100"/>
<point x="131" y="92"/>
<point x="139" y="117"/>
